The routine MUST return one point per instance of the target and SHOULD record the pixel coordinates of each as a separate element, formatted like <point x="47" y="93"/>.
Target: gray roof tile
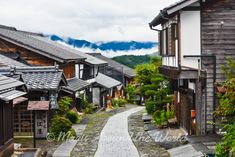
<point x="106" y="81"/>
<point x="6" y="61"/>
<point x="39" y="78"/>
<point x="75" y="84"/>
<point x="7" y="83"/>
<point x="40" y="46"/>
<point x="128" y="72"/>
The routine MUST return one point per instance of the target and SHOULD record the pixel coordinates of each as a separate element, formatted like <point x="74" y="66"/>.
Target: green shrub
<point x="115" y="103"/>
<point x="131" y="92"/>
<point x="160" y="118"/>
<point x="88" y="109"/>
<point x="226" y="147"/>
<point x="64" y="104"/>
<point x="59" y="125"/>
<point x="73" y="117"/>
<point x="121" y="102"/>
<point x="150" y="107"/>
<point x="163" y="116"/>
<point x="168" y="114"/>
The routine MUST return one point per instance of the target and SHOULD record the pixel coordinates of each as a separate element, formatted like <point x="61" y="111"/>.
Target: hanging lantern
<point x="193" y="113"/>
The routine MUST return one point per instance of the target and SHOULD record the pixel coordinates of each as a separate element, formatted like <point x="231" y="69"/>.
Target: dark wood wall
<point x="6" y="129"/>
<point x="36" y="59"/>
<point x="30" y="57"/>
<point x="218" y="38"/>
<point x="69" y="69"/>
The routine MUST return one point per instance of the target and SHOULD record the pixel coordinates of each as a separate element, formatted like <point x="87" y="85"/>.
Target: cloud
<point x="92" y="20"/>
<point x="111" y="53"/>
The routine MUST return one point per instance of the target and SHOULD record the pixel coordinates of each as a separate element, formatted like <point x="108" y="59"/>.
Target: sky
<point x="92" y="20"/>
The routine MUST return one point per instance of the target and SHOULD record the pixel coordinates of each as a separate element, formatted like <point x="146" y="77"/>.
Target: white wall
<point x="96" y="67"/>
<point x="96" y="96"/>
<point x="190" y="37"/>
<point x="170" y="61"/>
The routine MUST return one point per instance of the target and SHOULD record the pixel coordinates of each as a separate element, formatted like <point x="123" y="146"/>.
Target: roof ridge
<point x="8" y="27"/>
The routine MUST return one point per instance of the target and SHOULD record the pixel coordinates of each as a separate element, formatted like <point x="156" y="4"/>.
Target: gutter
<point x="161" y="16"/>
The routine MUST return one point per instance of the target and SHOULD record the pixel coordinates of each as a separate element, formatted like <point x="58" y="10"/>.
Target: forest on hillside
<point x="131" y="60"/>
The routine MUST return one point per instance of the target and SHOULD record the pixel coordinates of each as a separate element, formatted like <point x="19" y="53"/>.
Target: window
<point x="174" y="37"/>
<point x="163" y="39"/>
<point x="167" y="39"/>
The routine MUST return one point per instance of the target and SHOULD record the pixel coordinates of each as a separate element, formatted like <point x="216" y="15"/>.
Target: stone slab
<point x="146" y="117"/>
<point x="149" y="126"/>
<point x="185" y="151"/>
<point x="79" y="129"/>
<point x="65" y="149"/>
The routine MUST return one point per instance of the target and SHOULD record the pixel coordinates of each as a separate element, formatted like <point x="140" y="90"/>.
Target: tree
<point x="131" y="92"/>
<point x="226" y="110"/>
<point x="153" y="85"/>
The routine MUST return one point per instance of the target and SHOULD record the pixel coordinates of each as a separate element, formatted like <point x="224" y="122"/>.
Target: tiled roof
<point x="39" y="78"/>
<point x="106" y="81"/>
<point x="128" y="72"/>
<point x="7" y="83"/>
<point x="163" y="16"/>
<point x="6" y="61"/>
<point x="75" y="84"/>
<point x="31" y="42"/>
<point x="7" y="88"/>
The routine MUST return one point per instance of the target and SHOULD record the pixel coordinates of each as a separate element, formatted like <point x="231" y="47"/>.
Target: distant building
<point x="116" y="70"/>
<point x="33" y="49"/>
<point x="195" y="39"/>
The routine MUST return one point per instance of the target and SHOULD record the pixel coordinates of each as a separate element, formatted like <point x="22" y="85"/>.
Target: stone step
<point x="185" y="151"/>
<point x="149" y="126"/>
<point x="65" y="149"/>
<point x="79" y="129"/>
<point x="146" y="117"/>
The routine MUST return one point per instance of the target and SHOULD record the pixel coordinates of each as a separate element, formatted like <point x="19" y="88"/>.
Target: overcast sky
<point x="93" y="20"/>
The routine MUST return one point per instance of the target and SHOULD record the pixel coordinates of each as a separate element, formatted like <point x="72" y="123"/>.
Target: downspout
<point x="163" y="17"/>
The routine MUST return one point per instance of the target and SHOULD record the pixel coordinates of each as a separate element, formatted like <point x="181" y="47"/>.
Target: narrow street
<point x="115" y="140"/>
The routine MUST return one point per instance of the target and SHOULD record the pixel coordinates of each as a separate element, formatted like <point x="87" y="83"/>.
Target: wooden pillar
<point x="198" y="101"/>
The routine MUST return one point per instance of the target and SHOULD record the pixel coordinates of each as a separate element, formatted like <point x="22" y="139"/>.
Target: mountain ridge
<point x="105" y="46"/>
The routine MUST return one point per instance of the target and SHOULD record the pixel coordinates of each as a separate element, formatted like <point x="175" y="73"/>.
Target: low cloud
<point x="111" y="53"/>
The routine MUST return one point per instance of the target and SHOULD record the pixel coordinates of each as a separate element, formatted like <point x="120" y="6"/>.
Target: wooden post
<point x="198" y="104"/>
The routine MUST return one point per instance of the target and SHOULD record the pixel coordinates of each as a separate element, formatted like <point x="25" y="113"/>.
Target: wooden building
<point x="196" y="37"/>
<point x="104" y="87"/>
<point x="119" y="72"/>
<point x="44" y="85"/>
<point x="116" y="70"/>
<point x="10" y="89"/>
<point x="36" y="50"/>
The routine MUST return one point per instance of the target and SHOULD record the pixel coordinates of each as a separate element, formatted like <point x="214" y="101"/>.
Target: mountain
<point x="105" y="46"/>
<point x="131" y="60"/>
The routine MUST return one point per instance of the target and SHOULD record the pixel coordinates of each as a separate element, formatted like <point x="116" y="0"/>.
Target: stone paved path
<point x="115" y="140"/>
